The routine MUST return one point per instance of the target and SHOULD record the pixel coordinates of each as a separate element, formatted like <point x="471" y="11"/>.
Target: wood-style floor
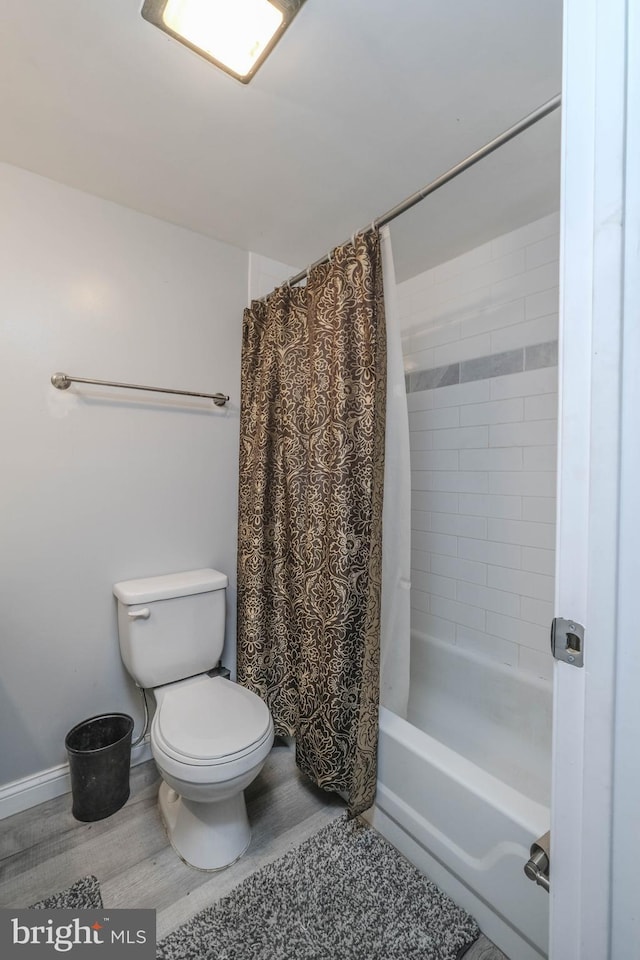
<point x="44" y="850"/>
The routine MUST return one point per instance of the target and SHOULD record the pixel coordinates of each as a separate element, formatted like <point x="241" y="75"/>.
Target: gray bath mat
<point x="84" y="894"/>
<point x="345" y="894"/>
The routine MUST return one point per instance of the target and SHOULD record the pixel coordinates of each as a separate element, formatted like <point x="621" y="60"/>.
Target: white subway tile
<point x="419" y="560"/>
<point x="528" y="434"/>
<point x="535" y="662"/>
<point x="542" y="407"/>
<point x="504" y="266"/>
<point x="539" y="560"/>
<point x="494" y="318"/>
<point x="434" y="419"/>
<point x="459" y="569"/>
<point x="464" y="304"/>
<point x="493" y="458"/>
<point x="462" y="264"/>
<point x="462" y="438"/>
<point x="420" y="580"/>
<point x="435" y="336"/>
<point x="541" y="458"/>
<point x="481" y="276"/>
<point x="527" y="483"/>
<point x="418" y="284"/>
<point x="409" y="364"/>
<point x="490" y="506"/>
<point x="418" y="313"/>
<point x="526" y="284"/>
<point x="421" y="439"/>
<point x="537" y="611"/>
<point x="524" y="236"/>
<point x="419" y="360"/>
<point x="544" y="251"/>
<point x="420" y="400"/>
<point x="486" y="551"/>
<point x="497" y="600"/>
<point x="441" y="502"/>
<point x="463" y="350"/>
<point x="529" y="383"/>
<point x="454" y="482"/>
<point x="540" y="509"/>
<point x="496" y="411"/>
<point x="458" y="612"/>
<point x="518" y="631"/>
<point x="420" y="520"/>
<point x="521" y="581"/>
<point x="434" y="459"/>
<point x="458" y="394"/>
<point x="420" y="480"/>
<point x="543" y="302"/>
<point x="494" y="648"/>
<point x="429" y="542"/>
<point x="432" y="626"/>
<point x="525" y="334"/>
<point x="440" y="586"/>
<point x="524" y="533"/>
<point x="419" y="600"/>
<point x="459" y="526"/>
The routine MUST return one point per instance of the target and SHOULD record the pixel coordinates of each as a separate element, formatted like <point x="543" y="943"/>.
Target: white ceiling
<point x="362" y="103"/>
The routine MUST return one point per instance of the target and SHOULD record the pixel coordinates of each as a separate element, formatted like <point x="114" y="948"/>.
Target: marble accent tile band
<point x="483" y="368"/>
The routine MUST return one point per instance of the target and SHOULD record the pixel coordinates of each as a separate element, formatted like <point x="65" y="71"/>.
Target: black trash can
<point x="99" y="751"/>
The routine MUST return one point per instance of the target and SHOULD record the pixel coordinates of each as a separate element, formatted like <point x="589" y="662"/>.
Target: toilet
<point x="209" y="736"/>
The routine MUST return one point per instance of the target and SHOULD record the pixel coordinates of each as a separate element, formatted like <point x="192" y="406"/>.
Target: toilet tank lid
<point x="170" y="585"/>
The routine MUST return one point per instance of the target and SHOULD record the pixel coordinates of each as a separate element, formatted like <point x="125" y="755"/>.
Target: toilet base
<point x="208" y="836"/>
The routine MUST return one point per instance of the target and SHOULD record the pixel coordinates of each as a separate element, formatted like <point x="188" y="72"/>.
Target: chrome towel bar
<point x="62" y="381"/>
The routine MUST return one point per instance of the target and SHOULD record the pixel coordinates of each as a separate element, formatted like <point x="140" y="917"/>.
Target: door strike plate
<point x="567" y="641"/>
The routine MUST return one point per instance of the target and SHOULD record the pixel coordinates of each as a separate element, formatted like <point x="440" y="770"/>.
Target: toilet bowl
<point x="209" y="737"/>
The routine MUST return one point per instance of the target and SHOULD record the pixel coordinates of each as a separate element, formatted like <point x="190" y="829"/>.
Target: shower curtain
<point x="395" y="626"/>
<point x="312" y="430"/>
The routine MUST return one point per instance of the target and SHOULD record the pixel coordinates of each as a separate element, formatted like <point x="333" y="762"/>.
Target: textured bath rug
<point x="345" y="894"/>
<point x="84" y="894"/>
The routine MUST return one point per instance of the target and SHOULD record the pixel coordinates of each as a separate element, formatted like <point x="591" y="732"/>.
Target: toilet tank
<point x="171" y="627"/>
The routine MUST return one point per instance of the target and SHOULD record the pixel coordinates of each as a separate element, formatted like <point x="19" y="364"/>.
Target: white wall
<point x="101" y="485"/>
<point x="266" y="274"/>
<point x="480" y="348"/>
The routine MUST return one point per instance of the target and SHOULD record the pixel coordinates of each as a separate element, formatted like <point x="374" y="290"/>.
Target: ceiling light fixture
<point x="236" y="35"/>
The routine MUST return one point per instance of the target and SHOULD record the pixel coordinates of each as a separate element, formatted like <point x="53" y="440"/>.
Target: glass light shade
<point x="234" y="34"/>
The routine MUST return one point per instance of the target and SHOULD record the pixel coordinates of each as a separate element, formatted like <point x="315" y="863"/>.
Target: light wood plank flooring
<point x="44" y="850"/>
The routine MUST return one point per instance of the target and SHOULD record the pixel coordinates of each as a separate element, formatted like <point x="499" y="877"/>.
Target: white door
<point x="595" y="823"/>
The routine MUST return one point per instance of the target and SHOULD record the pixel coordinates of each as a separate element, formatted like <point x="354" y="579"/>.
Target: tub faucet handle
<point x="143" y="614"/>
<point x="537" y="867"/>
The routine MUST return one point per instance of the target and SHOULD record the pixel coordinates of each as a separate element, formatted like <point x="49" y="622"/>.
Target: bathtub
<point x="463" y="789"/>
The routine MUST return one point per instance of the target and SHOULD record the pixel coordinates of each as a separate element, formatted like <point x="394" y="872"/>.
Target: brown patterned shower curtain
<point x="310" y="514"/>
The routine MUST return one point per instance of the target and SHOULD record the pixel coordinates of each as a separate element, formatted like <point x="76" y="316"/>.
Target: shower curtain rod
<point x="539" y="114"/>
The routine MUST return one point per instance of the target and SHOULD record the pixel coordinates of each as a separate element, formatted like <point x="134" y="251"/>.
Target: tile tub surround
<point x="480" y="349"/>
<point x="535" y="357"/>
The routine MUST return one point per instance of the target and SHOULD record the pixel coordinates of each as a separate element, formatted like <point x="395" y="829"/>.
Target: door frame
<point x="596" y="751"/>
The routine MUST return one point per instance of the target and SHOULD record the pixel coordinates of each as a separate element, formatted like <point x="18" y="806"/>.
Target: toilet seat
<point x="209" y="721"/>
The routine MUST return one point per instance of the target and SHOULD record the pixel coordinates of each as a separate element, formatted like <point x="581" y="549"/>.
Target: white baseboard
<point x="30" y="791"/>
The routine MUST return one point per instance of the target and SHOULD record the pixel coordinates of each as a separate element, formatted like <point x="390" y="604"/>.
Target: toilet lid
<point x="211" y="720"/>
